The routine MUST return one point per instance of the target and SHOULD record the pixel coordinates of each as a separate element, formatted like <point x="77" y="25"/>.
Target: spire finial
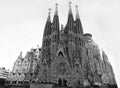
<point x="21" y="53"/>
<point x="20" y="56"/>
<point x="70" y="4"/>
<point x="49" y="13"/>
<point x="37" y="46"/>
<point x="56" y="7"/>
<point x="70" y="10"/>
<point x="62" y="27"/>
<point x="31" y="49"/>
<point x="77" y="13"/>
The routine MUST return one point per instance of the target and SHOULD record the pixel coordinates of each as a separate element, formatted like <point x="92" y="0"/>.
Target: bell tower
<point x="78" y="30"/>
<point x="54" y="33"/>
<point x="46" y="40"/>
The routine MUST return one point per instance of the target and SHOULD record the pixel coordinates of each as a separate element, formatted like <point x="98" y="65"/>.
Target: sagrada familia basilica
<point x="68" y="58"/>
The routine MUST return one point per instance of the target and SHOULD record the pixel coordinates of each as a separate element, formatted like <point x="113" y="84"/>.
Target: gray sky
<point x="22" y="23"/>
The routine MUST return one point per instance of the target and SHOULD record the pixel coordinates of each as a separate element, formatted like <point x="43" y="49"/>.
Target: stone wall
<point x="36" y="85"/>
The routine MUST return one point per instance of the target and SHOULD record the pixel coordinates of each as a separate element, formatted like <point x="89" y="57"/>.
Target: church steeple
<point x="70" y="9"/>
<point x="77" y="13"/>
<point x="55" y="22"/>
<point x="70" y="22"/>
<point x="56" y="9"/>
<point x="78" y="29"/>
<point x="49" y="13"/>
<point x="55" y="26"/>
<point x="47" y="30"/>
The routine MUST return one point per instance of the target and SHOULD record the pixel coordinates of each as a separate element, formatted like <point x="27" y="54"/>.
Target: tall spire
<point x="55" y="22"/>
<point x="49" y="13"/>
<point x="47" y="30"/>
<point x="77" y="13"/>
<point x="55" y="26"/>
<point x="70" y="21"/>
<point x="70" y="9"/>
<point x="78" y="28"/>
<point x="56" y="9"/>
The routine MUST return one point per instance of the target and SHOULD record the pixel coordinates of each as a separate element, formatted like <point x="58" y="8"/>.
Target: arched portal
<point x="59" y="82"/>
<point x="62" y="82"/>
<point x="60" y="53"/>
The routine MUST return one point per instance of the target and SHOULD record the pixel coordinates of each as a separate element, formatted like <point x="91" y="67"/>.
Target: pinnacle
<point x="56" y="9"/>
<point x="49" y="13"/>
<point x="70" y="10"/>
<point x="20" y="56"/>
<point x="77" y="13"/>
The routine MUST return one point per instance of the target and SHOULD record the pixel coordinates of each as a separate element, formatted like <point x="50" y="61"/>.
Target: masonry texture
<point x="68" y="58"/>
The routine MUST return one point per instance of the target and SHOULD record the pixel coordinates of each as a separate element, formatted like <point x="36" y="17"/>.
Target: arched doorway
<point x="59" y="82"/>
<point x="62" y="82"/>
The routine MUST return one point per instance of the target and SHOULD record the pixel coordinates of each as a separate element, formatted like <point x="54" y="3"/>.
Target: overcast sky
<point x="22" y="23"/>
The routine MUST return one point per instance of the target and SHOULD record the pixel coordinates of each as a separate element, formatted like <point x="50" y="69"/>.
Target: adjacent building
<point x="3" y="76"/>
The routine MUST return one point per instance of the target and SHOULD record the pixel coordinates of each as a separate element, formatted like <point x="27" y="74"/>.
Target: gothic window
<point x="25" y="61"/>
<point x="49" y="42"/>
<point x="55" y="38"/>
<point x="75" y="39"/>
<point x="44" y="61"/>
<point x="71" y="37"/>
<point x="46" y="42"/>
<point x="87" y="51"/>
<point x="18" y="62"/>
<point x="79" y="38"/>
<point x="60" y="54"/>
<point x="44" y="75"/>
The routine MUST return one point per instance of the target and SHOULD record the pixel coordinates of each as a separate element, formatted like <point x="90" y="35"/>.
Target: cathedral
<point x="68" y="58"/>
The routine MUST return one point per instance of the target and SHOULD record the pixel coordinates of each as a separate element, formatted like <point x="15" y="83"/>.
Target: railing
<point x="17" y="83"/>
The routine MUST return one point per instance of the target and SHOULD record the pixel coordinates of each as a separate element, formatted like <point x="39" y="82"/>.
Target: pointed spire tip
<point x="56" y="7"/>
<point x="49" y="13"/>
<point x="77" y="13"/>
<point x="21" y="53"/>
<point x="76" y="6"/>
<point x="70" y="3"/>
<point x="70" y="10"/>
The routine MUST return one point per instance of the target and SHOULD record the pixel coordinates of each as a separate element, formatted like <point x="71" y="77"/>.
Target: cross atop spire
<point x="49" y="13"/>
<point x="56" y="9"/>
<point x="77" y="13"/>
<point x="70" y="10"/>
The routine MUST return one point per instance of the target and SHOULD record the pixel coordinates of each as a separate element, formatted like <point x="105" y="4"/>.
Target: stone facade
<point x="24" y="69"/>
<point x="68" y="58"/>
